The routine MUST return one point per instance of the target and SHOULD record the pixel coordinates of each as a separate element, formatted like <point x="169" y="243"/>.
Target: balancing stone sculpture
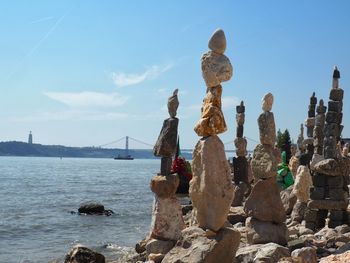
<point x="240" y="163"/>
<point x="167" y="222"/>
<point x="330" y="178"/>
<point x="264" y="208"/>
<point x="210" y="238"/>
<point x="211" y="188"/>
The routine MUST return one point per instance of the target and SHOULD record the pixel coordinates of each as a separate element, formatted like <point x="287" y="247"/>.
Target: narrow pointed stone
<point x="217" y="42"/>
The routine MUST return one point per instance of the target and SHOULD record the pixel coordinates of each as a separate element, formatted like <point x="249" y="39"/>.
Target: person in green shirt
<point x="284" y="175"/>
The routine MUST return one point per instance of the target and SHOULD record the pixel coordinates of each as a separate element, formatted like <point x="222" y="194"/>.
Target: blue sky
<point x="85" y="73"/>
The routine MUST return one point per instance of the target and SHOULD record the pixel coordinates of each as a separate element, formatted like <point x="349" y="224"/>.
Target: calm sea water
<point x="37" y="195"/>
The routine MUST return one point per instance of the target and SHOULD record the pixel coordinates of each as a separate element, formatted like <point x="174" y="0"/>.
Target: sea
<point x="38" y="194"/>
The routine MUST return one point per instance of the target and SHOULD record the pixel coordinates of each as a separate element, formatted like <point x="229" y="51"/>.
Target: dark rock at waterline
<point x="93" y="208"/>
<point x="84" y="255"/>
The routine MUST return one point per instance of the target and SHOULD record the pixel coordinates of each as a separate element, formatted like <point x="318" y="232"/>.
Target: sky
<point x="86" y="73"/>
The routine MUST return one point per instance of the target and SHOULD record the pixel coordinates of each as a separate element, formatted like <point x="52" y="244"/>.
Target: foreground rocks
<point x="195" y="246"/>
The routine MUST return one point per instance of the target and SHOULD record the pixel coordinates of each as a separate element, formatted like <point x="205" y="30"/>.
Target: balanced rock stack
<point x="310" y="124"/>
<point x="266" y="221"/>
<point x="318" y="134"/>
<point x="211" y="188"/>
<point x="300" y="141"/>
<point x="330" y="193"/>
<point x="210" y="238"/>
<point x="167" y="222"/>
<point x="240" y="164"/>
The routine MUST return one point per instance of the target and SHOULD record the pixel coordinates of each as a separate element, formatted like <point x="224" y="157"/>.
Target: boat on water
<point x="123" y="157"/>
<point x="126" y="156"/>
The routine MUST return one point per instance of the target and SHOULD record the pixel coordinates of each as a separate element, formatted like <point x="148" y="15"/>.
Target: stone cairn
<point x="264" y="208"/>
<point x="211" y="188"/>
<point x="310" y="124"/>
<point x="167" y="222"/>
<point x="239" y="163"/>
<point x="330" y="177"/>
<point x="210" y="238"/>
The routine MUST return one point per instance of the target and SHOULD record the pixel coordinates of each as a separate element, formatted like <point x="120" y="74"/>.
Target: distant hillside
<point x="24" y="149"/>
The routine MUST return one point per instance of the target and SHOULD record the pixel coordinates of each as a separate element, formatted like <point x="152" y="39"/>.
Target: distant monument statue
<point x="30" y="138"/>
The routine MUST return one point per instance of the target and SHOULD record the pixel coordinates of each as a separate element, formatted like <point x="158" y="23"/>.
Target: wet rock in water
<point x="94" y="208"/>
<point x="80" y="254"/>
<point x="195" y="247"/>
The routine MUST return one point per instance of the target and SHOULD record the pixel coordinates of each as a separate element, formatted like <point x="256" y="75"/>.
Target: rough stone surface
<point x="216" y="68"/>
<point x="165" y="186"/>
<point x="271" y="253"/>
<point x="341" y="258"/>
<point x="316" y="158"/>
<point x="236" y="215"/>
<point x="212" y="119"/>
<point x="217" y="42"/>
<point x="306" y="254"/>
<point x="211" y="188"/>
<point x="329" y="167"/>
<point x="288" y="199"/>
<point x="293" y="165"/>
<point x="239" y="193"/>
<point x="327" y="204"/>
<point x="298" y="211"/>
<point x="241" y="146"/>
<point x="302" y="184"/>
<point x="240" y="170"/>
<point x="267" y="128"/>
<point x="195" y="247"/>
<point x="267" y="102"/>
<point x="80" y="254"/>
<point x="264" y="162"/>
<point x="264" y="202"/>
<point x="166" y="143"/>
<point x="173" y="104"/>
<point x="260" y="232"/>
<point x="157" y="246"/>
<point x="167" y="222"/>
<point x="247" y="254"/>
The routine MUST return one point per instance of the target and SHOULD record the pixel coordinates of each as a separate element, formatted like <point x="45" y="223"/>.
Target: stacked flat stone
<point x="310" y="124"/>
<point x="300" y="141"/>
<point x="240" y="163"/>
<point x="264" y="208"/>
<point x="318" y="134"/>
<point x="211" y="188"/>
<point x="330" y="193"/>
<point x="167" y="222"/>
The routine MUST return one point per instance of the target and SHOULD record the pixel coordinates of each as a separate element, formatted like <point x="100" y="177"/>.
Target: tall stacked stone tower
<point x="310" y="124"/>
<point x="211" y="188"/>
<point x="329" y="197"/>
<point x="264" y="208"/>
<point x="240" y="163"/>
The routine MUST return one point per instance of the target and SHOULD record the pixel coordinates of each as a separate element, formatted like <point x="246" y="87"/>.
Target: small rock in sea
<point x="94" y="208"/>
<point x="80" y="254"/>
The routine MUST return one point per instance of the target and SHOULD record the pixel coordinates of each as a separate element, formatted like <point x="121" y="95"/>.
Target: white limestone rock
<point x="167" y="222"/>
<point x="211" y="188"/>
<point x="302" y="184"/>
<point x="216" y="68"/>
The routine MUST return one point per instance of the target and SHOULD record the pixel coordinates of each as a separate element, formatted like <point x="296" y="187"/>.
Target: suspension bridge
<point x="137" y="141"/>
